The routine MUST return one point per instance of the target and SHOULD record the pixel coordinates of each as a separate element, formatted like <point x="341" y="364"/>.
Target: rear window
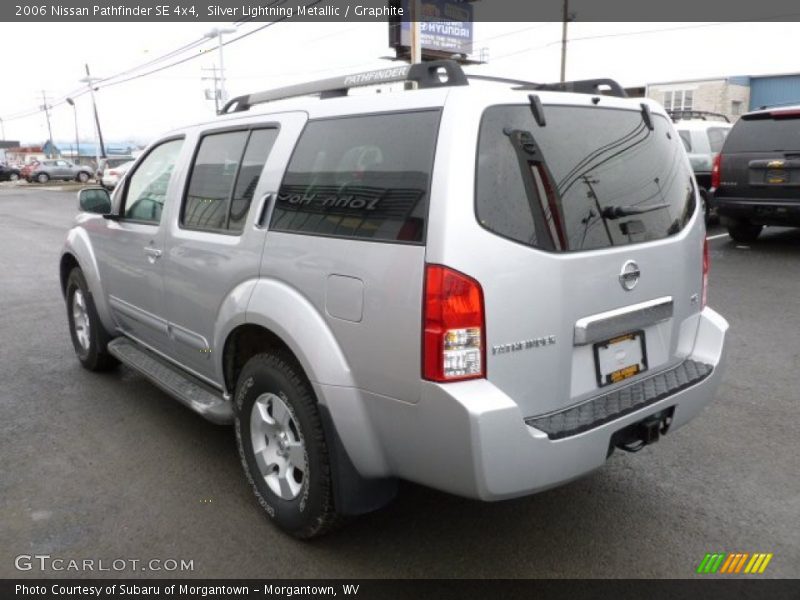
<point x="764" y="134"/>
<point x="360" y="177"/>
<point x="590" y="178"/>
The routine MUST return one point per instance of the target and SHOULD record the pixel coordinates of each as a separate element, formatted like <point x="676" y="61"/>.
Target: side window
<point x="716" y="137"/>
<point x="686" y="138"/>
<point x="360" y="177"/>
<point x="147" y="186"/>
<point x="258" y="149"/>
<point x="224" y="177"/>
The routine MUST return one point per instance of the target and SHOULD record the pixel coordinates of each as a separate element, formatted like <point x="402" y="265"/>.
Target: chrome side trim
<point x="603" y="326"/>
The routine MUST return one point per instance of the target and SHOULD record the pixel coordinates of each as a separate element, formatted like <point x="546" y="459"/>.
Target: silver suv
<point x="484" y="289"/>
<point x="59" y="168"/>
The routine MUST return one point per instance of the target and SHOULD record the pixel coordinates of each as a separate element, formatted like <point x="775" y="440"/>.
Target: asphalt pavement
<point x="108" y="467"/>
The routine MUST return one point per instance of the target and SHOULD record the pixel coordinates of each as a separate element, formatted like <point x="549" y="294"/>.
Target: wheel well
<point x="68" y="262"/>
<point x="243" y="343"/>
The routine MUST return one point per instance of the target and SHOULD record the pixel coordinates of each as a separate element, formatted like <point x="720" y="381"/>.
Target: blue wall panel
<point x="771" y="91"/>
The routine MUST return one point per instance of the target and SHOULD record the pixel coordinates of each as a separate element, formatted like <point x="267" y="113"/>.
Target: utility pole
<point x="90" y="81"/>
<point x="2" y="128"/>
<point x="46" y="108"/>
<point x="215" y="79"/>
<point x="566" y="17"/>
<point x="217" y="33"/>
<point x="71" y="102"/>
<point x="415" y="42"/>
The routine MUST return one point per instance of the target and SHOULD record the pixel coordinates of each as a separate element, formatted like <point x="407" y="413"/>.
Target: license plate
<point x="620" y="358"/>
<point x="777" y="176"/>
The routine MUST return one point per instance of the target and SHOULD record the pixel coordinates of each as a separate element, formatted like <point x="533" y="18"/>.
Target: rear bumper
<point x="760" y="211"/>
<point x="471" y="439"/>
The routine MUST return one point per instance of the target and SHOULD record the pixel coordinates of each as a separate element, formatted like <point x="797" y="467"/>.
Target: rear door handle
<point x="262" y="216"/>
<point x="153" y="254"/>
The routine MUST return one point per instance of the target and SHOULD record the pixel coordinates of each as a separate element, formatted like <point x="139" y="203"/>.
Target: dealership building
<point x="730" y="96"/>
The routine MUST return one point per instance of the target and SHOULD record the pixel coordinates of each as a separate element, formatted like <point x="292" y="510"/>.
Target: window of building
<point x="736" y="108"/>
<point x="679" y="100"/>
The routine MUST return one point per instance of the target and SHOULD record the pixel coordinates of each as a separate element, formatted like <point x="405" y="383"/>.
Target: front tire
<point x="744" y="232"/>
<point x="42" y="178"/>
<point x="13" y="177"/>
<point x="83" y="177"/>
<point x="282" y="446"/>
<point x="89" y="338"/>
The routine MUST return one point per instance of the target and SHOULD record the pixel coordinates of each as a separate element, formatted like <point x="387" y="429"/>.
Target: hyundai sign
<point x="445" y="28"/>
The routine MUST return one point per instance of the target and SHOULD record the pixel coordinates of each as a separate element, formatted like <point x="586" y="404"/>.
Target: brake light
<point x="706" y="267"/>
<point x="454" y="329"/>
<point x="716" y="167"/>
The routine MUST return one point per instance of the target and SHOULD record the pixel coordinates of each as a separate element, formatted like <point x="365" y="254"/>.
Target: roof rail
<point x="582" y="86"/>
<point x="435" y="73"/>
<point x="678" y="114"/>
<point x="607" y="87"/>
<point x="494" y="79"/>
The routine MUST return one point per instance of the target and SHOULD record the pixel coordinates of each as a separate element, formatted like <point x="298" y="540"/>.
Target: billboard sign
<point x="446" y="28"/>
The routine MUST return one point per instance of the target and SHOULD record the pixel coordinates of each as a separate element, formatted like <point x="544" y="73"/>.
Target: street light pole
<point x="217" y="33"/>
<point x="90" y="81"/>
<point x="71" y="102"/>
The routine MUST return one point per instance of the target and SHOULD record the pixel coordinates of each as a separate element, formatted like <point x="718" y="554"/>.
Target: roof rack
<point x="678" y="114"/>
<point x="432" y="74"/>
<point x="607" y="87"/>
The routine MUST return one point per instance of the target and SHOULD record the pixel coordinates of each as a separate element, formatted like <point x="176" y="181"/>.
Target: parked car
<point x="8" y="173"/>
<point x="757" y="174"/>
<point x="107" y="163"/>
<point x="26" y="169"/>
<point x="703" y="134"/>
<point x="112" y="175"/>
<point x="58" y="168"/>
<point x="482" y="290"/>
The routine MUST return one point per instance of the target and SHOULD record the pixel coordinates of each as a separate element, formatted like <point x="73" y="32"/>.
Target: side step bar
<point x="185" y="388"/>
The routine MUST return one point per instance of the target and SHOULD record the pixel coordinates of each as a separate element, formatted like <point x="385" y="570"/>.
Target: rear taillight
<point x="112" y="173"/>
<point x="454" y="328"/>
<point x="715" y="170"/>
<point x="706" y="267"/>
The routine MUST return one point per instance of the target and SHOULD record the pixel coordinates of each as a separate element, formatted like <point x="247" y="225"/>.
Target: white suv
<point x="480" y="289"/>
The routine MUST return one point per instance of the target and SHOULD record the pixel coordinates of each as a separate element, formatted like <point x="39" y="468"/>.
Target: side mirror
<point x="94" y="200"/>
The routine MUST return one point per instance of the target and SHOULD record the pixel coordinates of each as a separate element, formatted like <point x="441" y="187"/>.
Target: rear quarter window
<point x="364" y="177"/>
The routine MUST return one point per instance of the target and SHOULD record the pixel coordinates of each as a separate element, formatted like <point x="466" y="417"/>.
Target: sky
<point x="51" y="57"/>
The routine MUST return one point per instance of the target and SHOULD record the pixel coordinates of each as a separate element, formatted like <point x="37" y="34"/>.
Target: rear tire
<point x="744" y="231"/>
<point x="89" y="337"/>
<point x="282" y="446"/>
<point x="83" y="177"/>
<point x="13" y="177"/>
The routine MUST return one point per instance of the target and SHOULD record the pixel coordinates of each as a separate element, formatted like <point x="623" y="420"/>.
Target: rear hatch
<point x="761" y="157"/>
<point x="596" y="276"/>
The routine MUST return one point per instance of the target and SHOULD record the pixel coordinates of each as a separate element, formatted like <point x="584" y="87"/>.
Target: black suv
<point x="756" y="177"/>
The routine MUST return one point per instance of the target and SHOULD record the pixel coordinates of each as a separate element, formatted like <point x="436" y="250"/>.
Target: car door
<point x="214" y="242"/>
<point x="130" y="246"/>
<point x="60" y="170"/>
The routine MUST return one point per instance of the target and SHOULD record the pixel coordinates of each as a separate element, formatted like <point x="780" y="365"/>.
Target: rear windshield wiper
<point x="617" y="212"/>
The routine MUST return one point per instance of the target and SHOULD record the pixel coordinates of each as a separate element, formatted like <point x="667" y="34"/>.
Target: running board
<point x="185" y="388"/>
